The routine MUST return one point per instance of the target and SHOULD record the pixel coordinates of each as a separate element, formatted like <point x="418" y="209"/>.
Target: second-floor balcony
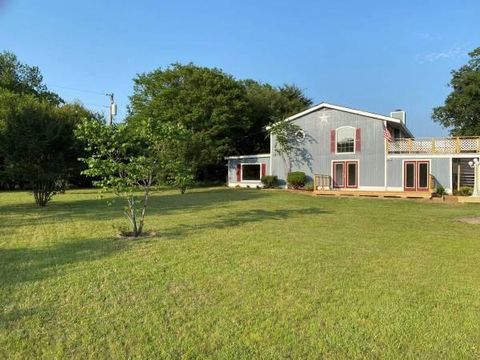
<point x="454" y="145"/>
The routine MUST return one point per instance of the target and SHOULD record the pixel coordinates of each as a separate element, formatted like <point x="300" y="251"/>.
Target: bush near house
<point x="440" y="190"/>
<point x="296" y="179"/>
<point x="270" y="181"/>
<point x="309" y="186"/>
<point x="465" y="191"/>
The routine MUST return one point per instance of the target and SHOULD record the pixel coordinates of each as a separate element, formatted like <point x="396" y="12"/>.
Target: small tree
<point x="176" y="157"/>
<point x="127" y="160"/>
<point x="182" y="176"/>
<point x="286" y="144"/>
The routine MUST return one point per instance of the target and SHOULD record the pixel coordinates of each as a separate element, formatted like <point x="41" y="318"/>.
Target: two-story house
<point x="344" y="149"/>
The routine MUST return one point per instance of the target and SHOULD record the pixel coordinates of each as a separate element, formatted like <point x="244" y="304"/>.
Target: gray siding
<point x="395" y="173"/>
<point x="442" y="171"/>
<point x="232" y="166"/>
<point x="316" y="158"/>
<point x="439" y="168"/>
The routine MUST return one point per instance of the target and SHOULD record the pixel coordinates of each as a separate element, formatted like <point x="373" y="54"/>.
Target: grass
<point x="239" y="274"/>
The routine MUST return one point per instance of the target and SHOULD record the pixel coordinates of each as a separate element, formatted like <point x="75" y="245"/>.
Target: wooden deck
<point x="469" y="199"/>
<point x="376" y="194"/>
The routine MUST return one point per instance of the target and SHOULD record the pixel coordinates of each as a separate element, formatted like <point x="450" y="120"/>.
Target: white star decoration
<point x="323" y="117"/>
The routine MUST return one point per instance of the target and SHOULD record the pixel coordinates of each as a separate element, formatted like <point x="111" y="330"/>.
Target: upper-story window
<point x="345" y="139"/>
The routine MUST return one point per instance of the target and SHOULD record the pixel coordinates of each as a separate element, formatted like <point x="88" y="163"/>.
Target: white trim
<point x="251" y="181"/>
<point x="395" y="188"/>
<point x="256" y="156"/>
<point x="345" y="109"/>
<point x="417" y="159"/>
<point x="303" y="136"/>
<point x="372" y="188"/>
<point x="451" y="175"/>
<point x="351" y="111"/>
<point x="271" y="158"/>
<point x="433" y="156"/>
<point x="358" y="172"/>
<point x="354" y="140"/>
<point x="244" y="185"/>
<point x="385" y="155"/>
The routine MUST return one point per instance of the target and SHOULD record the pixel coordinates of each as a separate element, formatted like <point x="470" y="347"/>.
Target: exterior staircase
<point x="467" y="174"/>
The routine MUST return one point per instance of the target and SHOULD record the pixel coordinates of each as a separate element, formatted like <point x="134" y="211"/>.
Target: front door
<point x="345" y="174"/>
<point x="416" y="176"/>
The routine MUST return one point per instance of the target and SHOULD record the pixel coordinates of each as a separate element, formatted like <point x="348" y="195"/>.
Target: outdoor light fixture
<point x="475" y="164"/>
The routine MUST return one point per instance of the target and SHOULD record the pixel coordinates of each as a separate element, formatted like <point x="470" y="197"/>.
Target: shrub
<point x="440" y="190"/>
<point x="296" y="179"/>
<point x="309" y="186"/>
<point x="270" y="181"/>
<point x="465" y="191"/>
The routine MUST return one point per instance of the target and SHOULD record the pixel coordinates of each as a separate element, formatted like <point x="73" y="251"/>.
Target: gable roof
<point x="351" y="111"/>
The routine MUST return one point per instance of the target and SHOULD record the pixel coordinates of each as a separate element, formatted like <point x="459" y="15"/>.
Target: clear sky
<point x="375" y="55"/>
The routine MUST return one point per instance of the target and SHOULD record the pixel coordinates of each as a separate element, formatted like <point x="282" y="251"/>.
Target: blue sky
<point x="372" y="55"/>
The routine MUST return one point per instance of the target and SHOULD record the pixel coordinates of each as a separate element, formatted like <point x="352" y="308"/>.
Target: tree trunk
<point x="145" y="203"/>
<point x="43" y="192"/>
<point x="130" y="214"/>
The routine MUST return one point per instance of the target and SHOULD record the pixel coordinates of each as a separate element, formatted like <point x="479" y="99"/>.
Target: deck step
<point x="376" y="194"/>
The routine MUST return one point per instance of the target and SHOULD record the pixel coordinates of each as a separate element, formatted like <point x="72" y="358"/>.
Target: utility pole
<point x="113" y="108"/>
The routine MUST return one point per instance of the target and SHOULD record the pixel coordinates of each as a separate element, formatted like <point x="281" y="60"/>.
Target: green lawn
<point x="239" y="274"/>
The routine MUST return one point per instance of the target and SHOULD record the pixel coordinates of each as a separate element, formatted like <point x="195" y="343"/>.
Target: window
<point x="346" y="140"/>
<point x="300" y="135"/>
<point x="250" y="172"/>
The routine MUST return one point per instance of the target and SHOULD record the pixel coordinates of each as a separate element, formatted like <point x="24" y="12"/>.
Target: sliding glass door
<point x="345" y="174"/>
<point x="416" y="176"/>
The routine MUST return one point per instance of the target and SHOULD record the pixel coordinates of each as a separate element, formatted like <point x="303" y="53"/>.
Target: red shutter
<point x="358" y="140"/>
<point x="332" y="141"/>
<point x="264" y="169"/>
<point x="239" y="172"/>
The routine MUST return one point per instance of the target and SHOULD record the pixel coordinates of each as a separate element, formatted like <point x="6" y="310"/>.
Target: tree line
<point x="203" y="114"/>
<point x="181" y="123"/>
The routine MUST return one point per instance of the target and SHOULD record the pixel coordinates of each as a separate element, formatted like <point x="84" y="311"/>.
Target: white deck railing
<point x="454" y="145"/>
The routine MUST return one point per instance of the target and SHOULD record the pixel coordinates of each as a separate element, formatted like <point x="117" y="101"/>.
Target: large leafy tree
<point x="23" y="92"/>
<point x="74" y="114"/>
<point x="37" y="144"/>
<point x="268" y="105"/>
<point x="461" y="111"/>
<point x="23" y="79"/>
<point x="209" y="103"/>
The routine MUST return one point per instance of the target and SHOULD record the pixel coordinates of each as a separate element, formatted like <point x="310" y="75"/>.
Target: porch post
<point x="385" y="177"/>
<point x="475" y="164"/>
<point x="458" y="176"/>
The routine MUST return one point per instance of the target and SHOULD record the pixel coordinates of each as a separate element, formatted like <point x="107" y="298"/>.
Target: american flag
<point x="386" y="134"/>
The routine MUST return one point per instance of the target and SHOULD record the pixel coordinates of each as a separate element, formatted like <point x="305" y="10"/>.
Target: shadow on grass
<point x="8" y="318"/>
<point x="33" y="264"/>
<point x="24" y="264"/>
<point x="16" y="215"/>
<point x="238" y="219"/>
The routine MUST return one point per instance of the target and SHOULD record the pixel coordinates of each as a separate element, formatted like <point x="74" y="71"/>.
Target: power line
<point x="112" y="107"/>
<point x="79" y="90"/>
